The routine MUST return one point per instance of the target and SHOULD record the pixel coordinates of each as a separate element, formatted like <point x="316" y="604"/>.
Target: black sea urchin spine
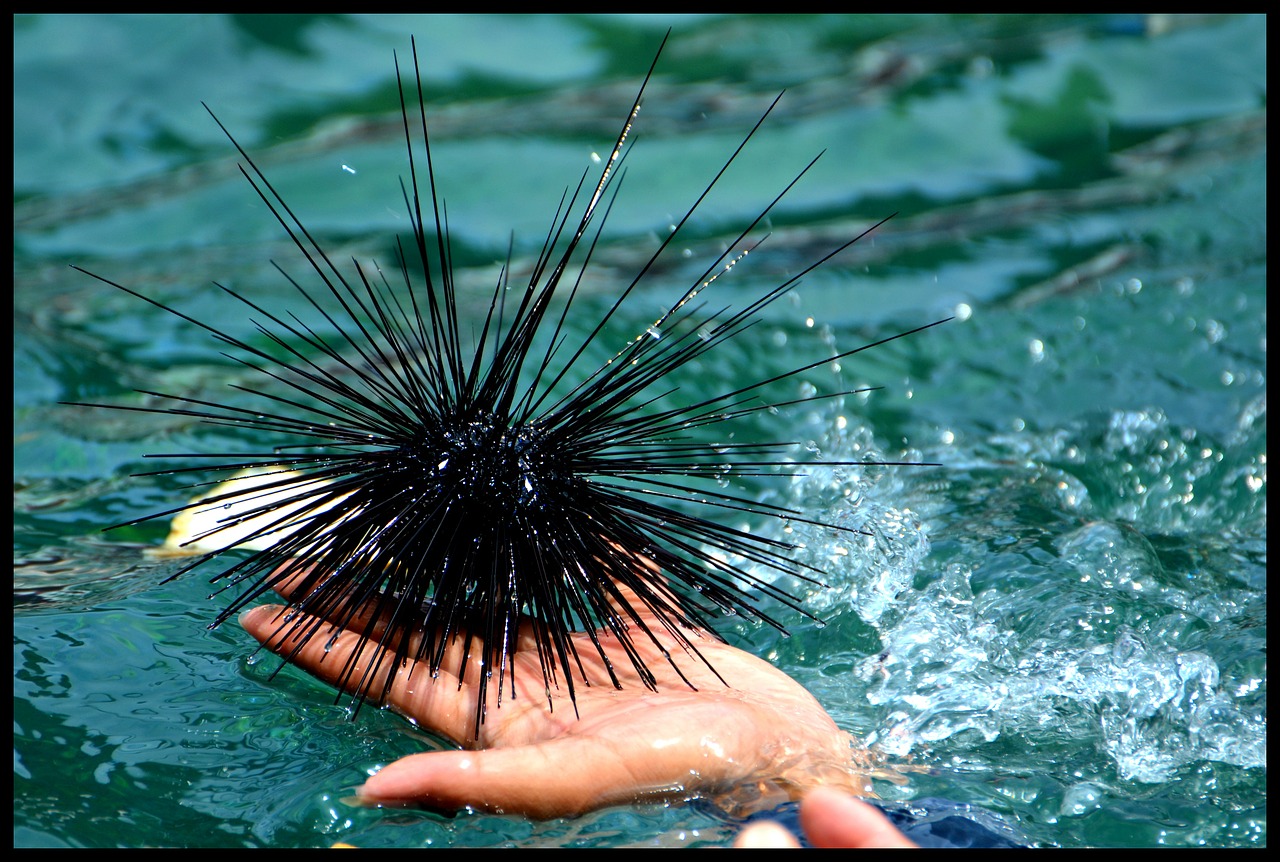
<point x="450" y="490"/>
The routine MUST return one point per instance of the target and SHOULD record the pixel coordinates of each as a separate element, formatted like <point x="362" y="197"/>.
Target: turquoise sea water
<point x="1065" y="623"/>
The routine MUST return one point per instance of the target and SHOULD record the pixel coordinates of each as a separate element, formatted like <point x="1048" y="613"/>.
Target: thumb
<point x="548" y="779"/>
<point x="833" y="818"/>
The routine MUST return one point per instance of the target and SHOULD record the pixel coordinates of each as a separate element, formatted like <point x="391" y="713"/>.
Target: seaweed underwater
<point x="441" y="477"/>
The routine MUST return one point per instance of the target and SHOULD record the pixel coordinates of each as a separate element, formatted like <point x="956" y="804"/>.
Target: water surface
<point x="1065" y="623"/>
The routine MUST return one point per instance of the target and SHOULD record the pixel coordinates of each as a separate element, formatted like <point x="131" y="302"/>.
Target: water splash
<point x="1098" y="660"/>
<point x="1107" y="638"/>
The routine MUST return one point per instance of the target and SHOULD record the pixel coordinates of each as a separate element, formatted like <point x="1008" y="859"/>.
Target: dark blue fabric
<point x="930" y="822"/>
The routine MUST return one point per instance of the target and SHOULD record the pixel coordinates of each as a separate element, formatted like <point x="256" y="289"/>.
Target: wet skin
<point x="747" y="740"/>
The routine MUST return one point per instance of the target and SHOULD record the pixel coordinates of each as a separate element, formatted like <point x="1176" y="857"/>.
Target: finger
<point x="551" y="779"/>
<point x="372" y="619"/>
<point x="350" y="661"/>
<point x="834" y="818"/>
<point x="292" y="573"/>
<point x="297" y="585"/>
<point x="766" y="833"/>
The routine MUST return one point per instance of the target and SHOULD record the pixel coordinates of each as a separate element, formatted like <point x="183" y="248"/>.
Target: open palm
<point x="749" y="741"/>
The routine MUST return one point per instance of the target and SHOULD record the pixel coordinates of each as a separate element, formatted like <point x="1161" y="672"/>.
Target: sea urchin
<point x="456" y="484"/>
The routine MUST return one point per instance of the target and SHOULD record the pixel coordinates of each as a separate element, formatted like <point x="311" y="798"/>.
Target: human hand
<point x="830" y="818"/>
<point x="750" y="741"/>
